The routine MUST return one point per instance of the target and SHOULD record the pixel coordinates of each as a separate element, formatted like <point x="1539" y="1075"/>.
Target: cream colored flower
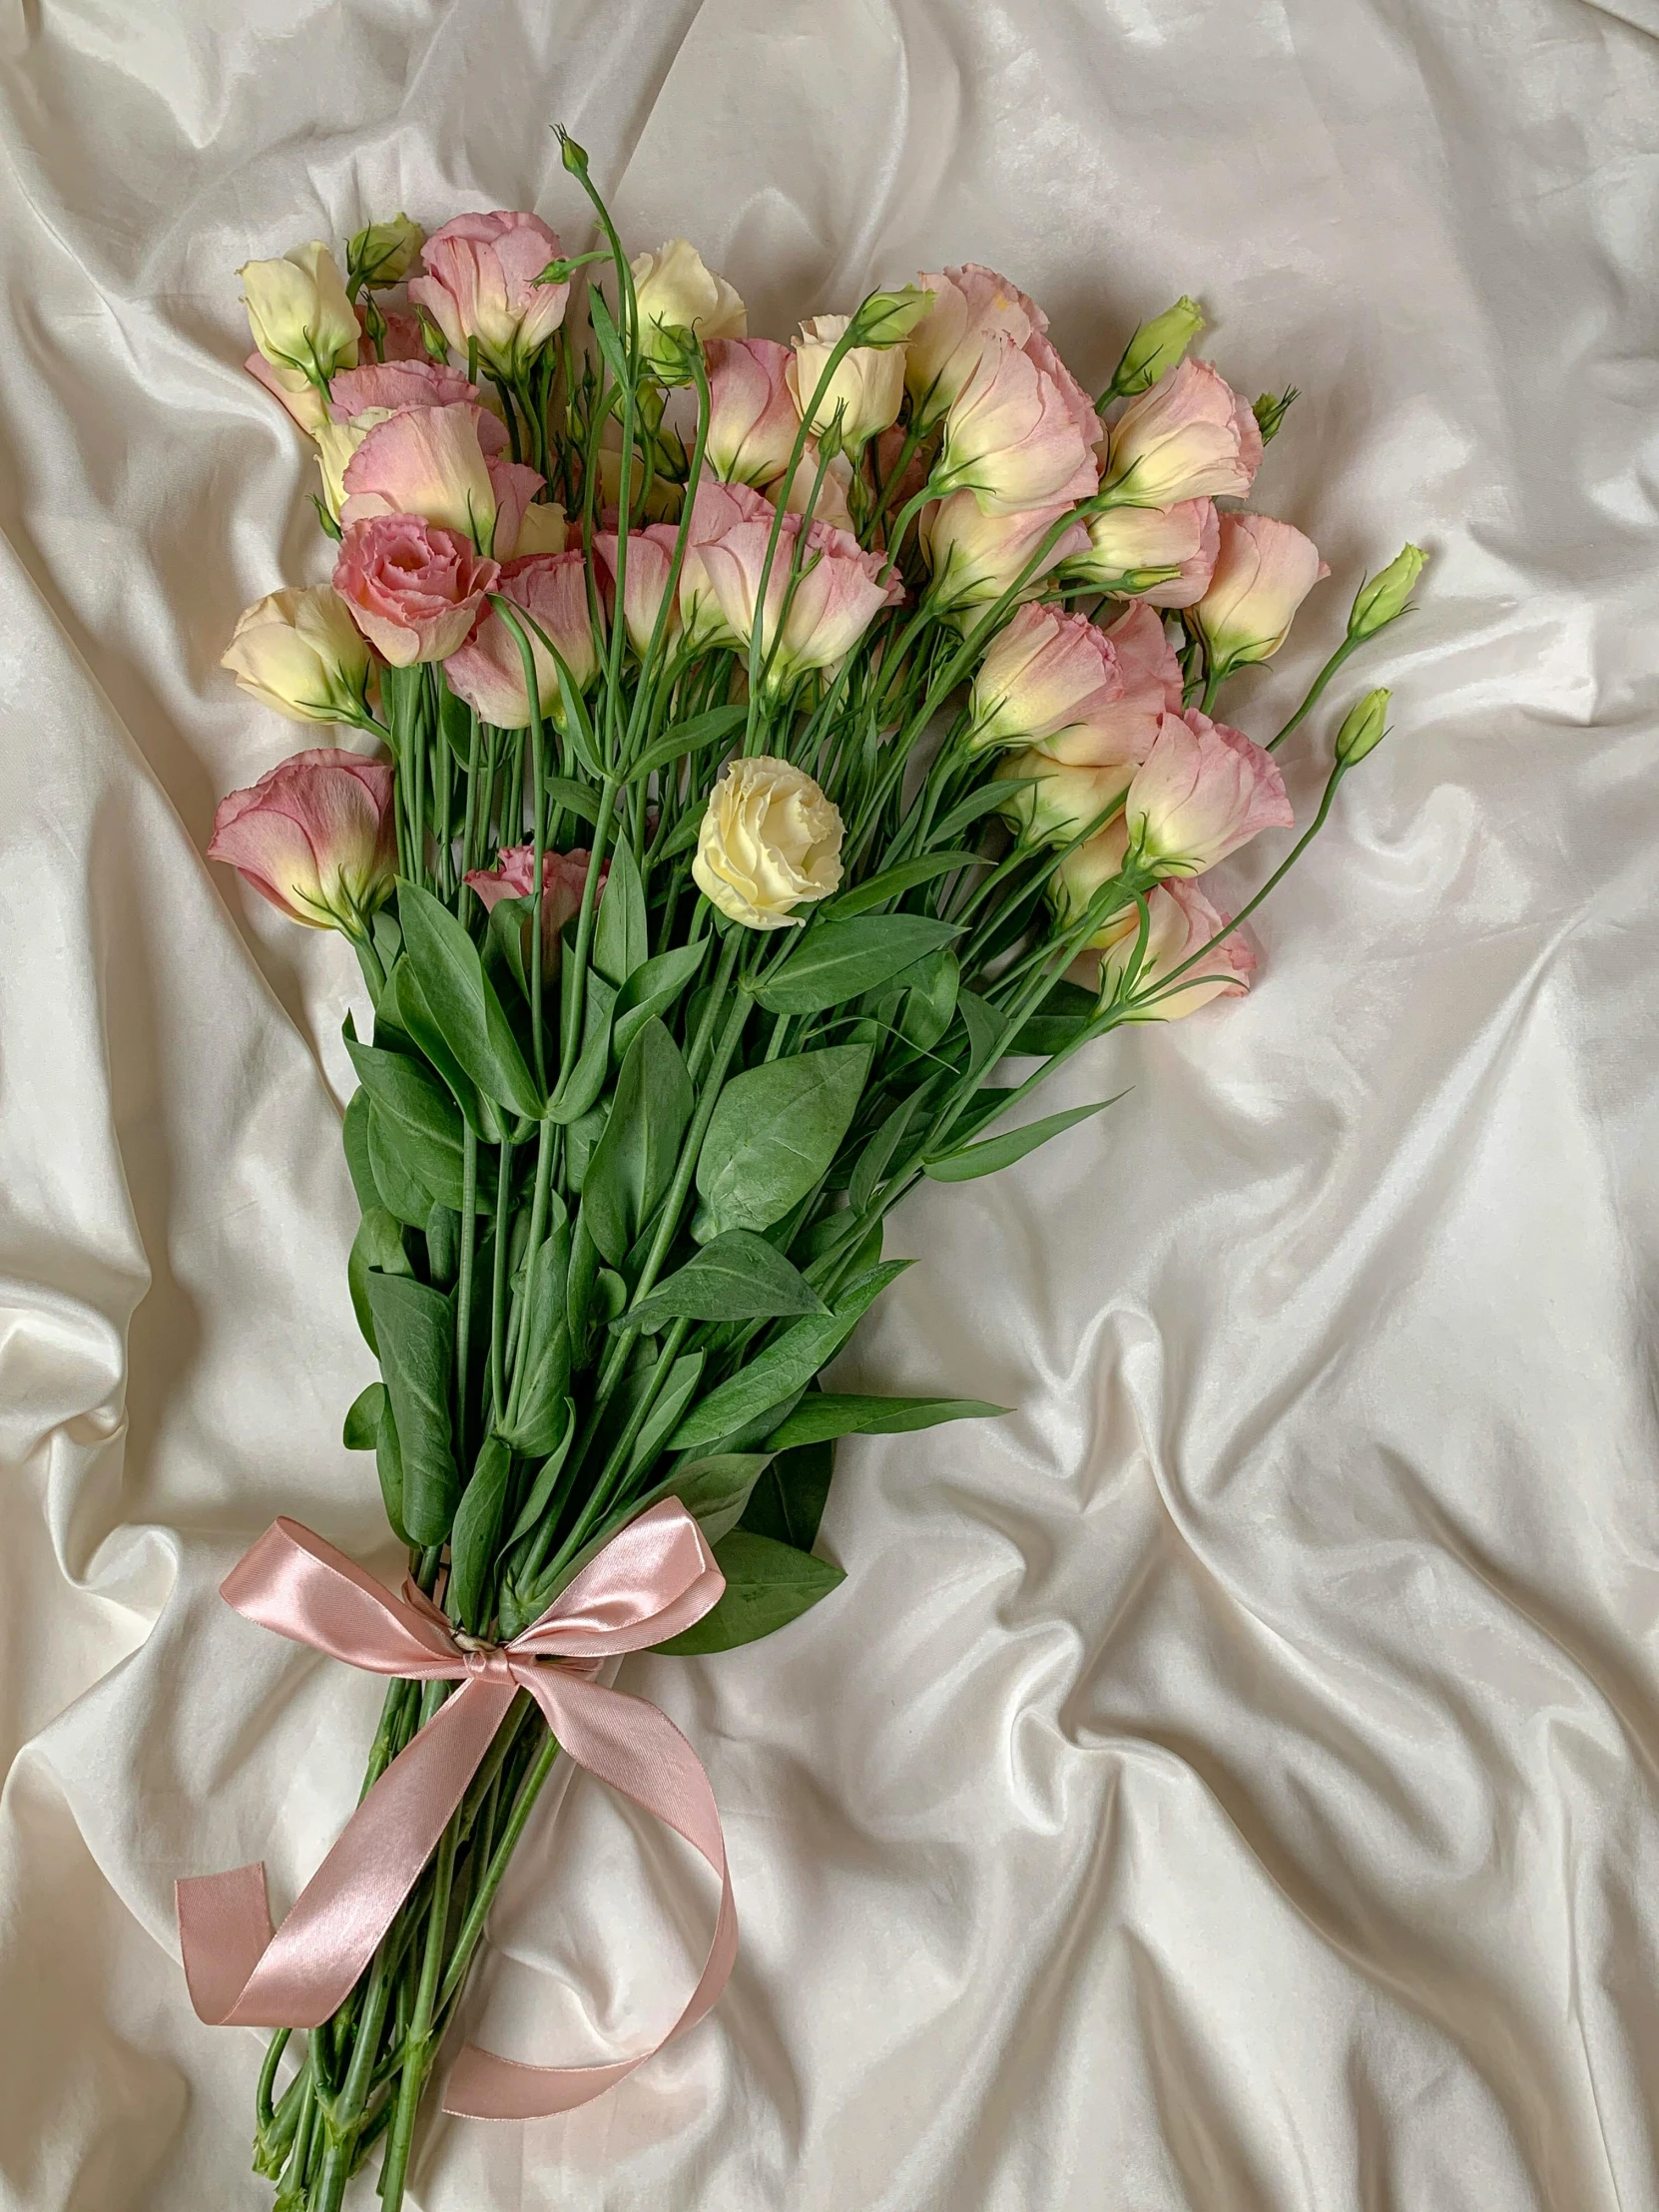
<point x="302" y="653"/>
<point x="865" y="392"/>
<point x="770" y="841"/>
<point x="675" y="292"/>
<point x="298" y="312"/>
<point x="335" y="444"/>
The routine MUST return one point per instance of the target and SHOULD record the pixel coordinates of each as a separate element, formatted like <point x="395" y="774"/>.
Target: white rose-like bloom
<point x="868" y="389"/>
<point x="770" y="841"/>
<point x="302" y="653"/>
<point x="298" y="312"/>
<point x="335" y="444"/>
<point x="675" y="290"/>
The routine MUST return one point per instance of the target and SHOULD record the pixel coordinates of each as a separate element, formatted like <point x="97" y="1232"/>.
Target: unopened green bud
<point x="385" y="253"/>
<point x="575" y="157"/>
<point x="1156" y="348"/>
<point x="1362" y="733"/>
<point x="888" y="317"/>
<point x="1270" y="412"/>
<point x="1383" y="598"/>
<point x="436" y="344"/>
<point x="672" y="353"/>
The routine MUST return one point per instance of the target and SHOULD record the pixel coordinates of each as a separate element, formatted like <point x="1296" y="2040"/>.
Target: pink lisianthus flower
<point x="1180" y="922"/>
<point x="1045" y="674"/>
<point x="975" y="557"/>
<point x="649" y="562"/>
<point x="1122" y="729"/>
<point x="716" y="509"/>
<point x="753" y="418"/>
<point x="293" y="388"/>
<point x="1203" y="790"/>
<point x="397" y="384"/>
<point x="1061" y="800"/>
<point x="1165" y="556"/>
<point x="835" y="596"/>
<point x="1191" y="436"/>
<point x="415" y="590"/>
<point x="1263" y="571"/>
<point x="564" y="877"/>
<point x="481" y="283"/>
<point x="973" y="308"/>
<point x="444" y="463"/>
<point x="1016" y="435"/>
<point x="488" y="671"/>
<point x="317" y="836"/>
<point x="832" y="503"/>
<point x="404" y="340"/>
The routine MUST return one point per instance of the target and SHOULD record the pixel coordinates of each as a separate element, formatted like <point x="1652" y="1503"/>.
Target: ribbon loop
<point x="654" y="1578"/>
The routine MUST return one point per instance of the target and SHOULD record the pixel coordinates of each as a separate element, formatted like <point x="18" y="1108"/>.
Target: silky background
<point x="1229" y="1781"/>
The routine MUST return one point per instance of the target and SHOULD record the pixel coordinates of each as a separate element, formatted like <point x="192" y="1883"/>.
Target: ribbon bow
<point x="654" y="1578"/>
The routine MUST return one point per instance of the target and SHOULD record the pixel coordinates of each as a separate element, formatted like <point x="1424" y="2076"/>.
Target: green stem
<point x="418" y="2056"/>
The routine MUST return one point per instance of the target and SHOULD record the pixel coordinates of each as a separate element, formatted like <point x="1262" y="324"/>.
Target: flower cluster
<point x="769" y="739"/>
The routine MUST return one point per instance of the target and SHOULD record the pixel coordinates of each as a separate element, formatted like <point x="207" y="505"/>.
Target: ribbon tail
<point x="241" y="1975"/>
<point x="637" y="1748"/>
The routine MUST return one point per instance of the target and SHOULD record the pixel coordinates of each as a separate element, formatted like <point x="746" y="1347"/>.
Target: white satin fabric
<point x="1228" y="1781"/>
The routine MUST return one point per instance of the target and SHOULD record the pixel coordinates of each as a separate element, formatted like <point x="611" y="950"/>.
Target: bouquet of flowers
<point x="749" y="750"/>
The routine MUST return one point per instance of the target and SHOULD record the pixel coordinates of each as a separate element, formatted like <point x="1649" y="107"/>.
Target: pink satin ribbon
<point x="653" y="1579"/>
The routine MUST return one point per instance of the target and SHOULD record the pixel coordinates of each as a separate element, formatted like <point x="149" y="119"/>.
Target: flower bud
<point x="1362" y="729"/>
<point x="1155" y="347"/>
<point x="302" y="653"/>
<point x="864" y="392"/>
<point x="1269" y="411"/>
<point x="770" y="841"/>
<point x="574" y="157"/>
<point x="317" y="836"/>
<point x="298" y="312"/>
<point x="887" y="318"/>
<point x="1264" y="570"/>
<point x="1383" y="599"/>
<point x="678" y="296"/>
<point x="385" y="253"/>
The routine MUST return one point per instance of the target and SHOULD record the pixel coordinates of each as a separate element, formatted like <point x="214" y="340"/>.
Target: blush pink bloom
<point x="1180" y="922"/>
<point x="838" y="594"/>
<point x="296" y="391"/>
<point x="1055" y="801"/>
<point x="403" y="341"/>
<point x="1014" y="436"/>
<point x="444" y="464"/>
<point x="975" y="557"/>
<point x="488" y="670"/>
<point x="415" y="590"/>
<point x="649" y="563"/>
<point x="1148" y="660"/>
<point x="1046" y="674"/>
<point x="1203" y="790"/>
<point x="1126" y="728"/>
<point x="564" y="877"/>
<point x="974" y="308"/>
<point x="396" y="384"/>
<point x="1263" y="571"/>
<point x="1190" y="437"/>
<point x="481" y="283"/>
<point x="753" y="418"/>
<point x="317" y="836"/>
<point x="716" y="509"/>
<point x="832" y="503"/>
<point x="1130" y="546"/>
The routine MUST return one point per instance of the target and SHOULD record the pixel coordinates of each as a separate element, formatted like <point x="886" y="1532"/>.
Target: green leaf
<point x="377" y="1244"/>
<point x="572" y="1099"/>
<point x="455" y="721"/>
<point x="824" y="1414"/>
<point x="652" y="988"/>
<point x="535" y="1418"/>
<point x="403" y="1192"/>
<point x="605" y="331"/>
<point x="842" y="958"/>
<point x="355" y="1134"/>
<point x="507" y="932"/>
<point x="621" y="935"/>
<point x="1003" y="1152"/>
<point x="684" y="834"/>
<point x="463" y="1002"/>
<point x="785" y="1367"/>
<point x="473" y="1539"/>
<point x="689" y="737"/>
<point x="427" y="1122"/>
<point x="634" y="1161"/>
<point x="444" y="1245"/>
<point x="787" y="1503"/>
<point x="574" y="798"/>
<point x="676" y="1394"/>
<point x="904" y="875"/>
<point x="388" y="1465"/>
<point x="930" y="1000"/>
<point x="414" y="1327"/>
<point x="408" y="1008"/>
<point x="877" y="1155"/>
<point x="715" y="1491"/>
<point x="768" y="1586"/>
<point x="773" y="1134"/>
<point x="739" y="1277"/>
<point x="984" y="1027"/>
<point x="971" y="809"/>
<point x="362" y="1419"/>
<point x="541" y="1490"/>
<point x="580" y="1140"/>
